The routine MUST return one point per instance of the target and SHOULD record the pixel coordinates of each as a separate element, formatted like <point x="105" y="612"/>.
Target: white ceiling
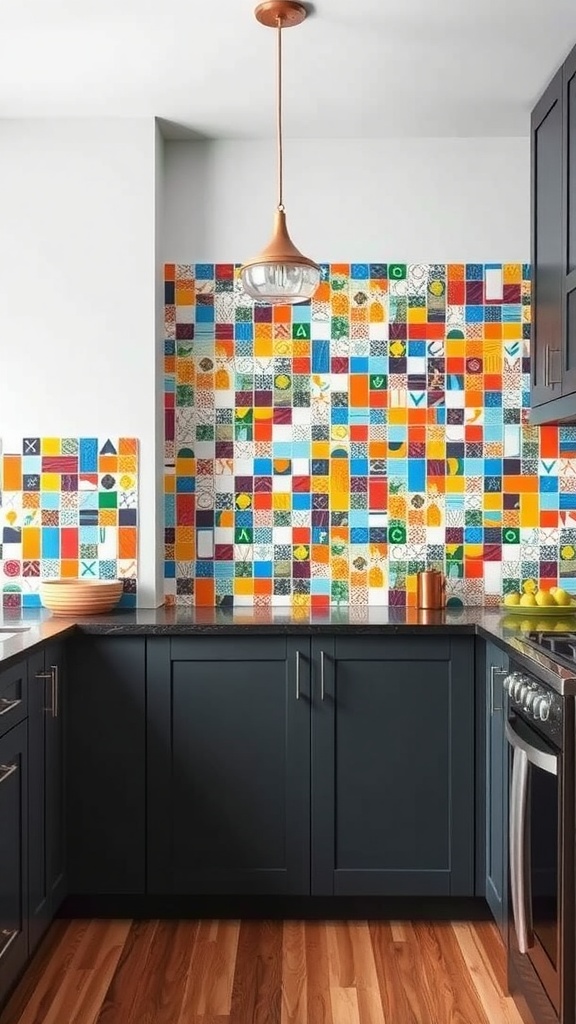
<point x="355" y="68"/>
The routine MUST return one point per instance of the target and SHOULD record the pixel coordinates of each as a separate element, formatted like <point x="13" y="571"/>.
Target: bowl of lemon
<point x="546" y="602"/>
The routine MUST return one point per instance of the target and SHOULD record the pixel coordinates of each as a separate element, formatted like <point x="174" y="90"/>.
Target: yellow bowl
<point x="80" y="597"/>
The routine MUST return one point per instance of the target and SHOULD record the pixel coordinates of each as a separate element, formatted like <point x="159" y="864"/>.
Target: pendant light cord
<point x="279" y="119"/>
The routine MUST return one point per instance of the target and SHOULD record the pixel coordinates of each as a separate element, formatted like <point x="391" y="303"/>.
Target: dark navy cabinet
<point x="13" y="855"/>
<point x="106" y="752"/>
<point x="392" y="766"/>
<point x="229" y="765"/>
<point x="294" y="766"/>
<point x="46" y="792"/>
<point x="496" y="668"/>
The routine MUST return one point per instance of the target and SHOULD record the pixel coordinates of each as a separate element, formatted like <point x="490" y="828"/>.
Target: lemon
<point x="512" y="599"/>
<point x="528" y="601"/>
<point x="529" y="586"/>
<point x="544" y="598"/>
<point x="562" y="597"/>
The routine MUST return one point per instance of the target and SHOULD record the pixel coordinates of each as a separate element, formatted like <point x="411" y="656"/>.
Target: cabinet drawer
<point x="390" y="647"/>
<point x="228" y="648"/>
<point x="13" y="695"/>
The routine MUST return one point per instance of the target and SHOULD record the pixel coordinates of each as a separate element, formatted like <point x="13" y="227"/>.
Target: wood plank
<point x="456" y="998"/>
<point x="496" y="1005"/>
<point x="33" y="998"/>
<point x="119" y="999"/>
<point x="404" y="990"/>
<point x="256" y="994"/>
<point x="162" y="987"/>
<point x="319" y="1003"/>
<point x="210" y="974"/>
<point x="344" y="1005"/>
<point x="294" y="985"/>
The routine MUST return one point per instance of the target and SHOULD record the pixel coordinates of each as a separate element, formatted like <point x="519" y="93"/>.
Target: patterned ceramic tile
<point x="68" y="508"/>
<point x="326" y="452"/>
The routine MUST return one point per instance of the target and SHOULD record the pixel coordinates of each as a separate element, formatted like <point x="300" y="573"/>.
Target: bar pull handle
<point x="6" y="938"/>
<point x="547" y="366"/>
<point x="297" y="675"/>
<point x="322" y="680"/>
<point x="7" y="705"/>
<point x="52" y="675"/>
<point x="6" y="770"/>
<point x="495" y="671"/>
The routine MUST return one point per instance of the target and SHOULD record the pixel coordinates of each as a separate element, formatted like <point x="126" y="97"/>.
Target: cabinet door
<point x="392" y="766"/>
<point x="229" y="765"/>
<point x="547" y="233"/>
<point x="13" y="856"/>
<point x="106" y="745"/>
<point x="569" y="238"/>
<point x="496" y="786"/>
<point x="39" y="694"/>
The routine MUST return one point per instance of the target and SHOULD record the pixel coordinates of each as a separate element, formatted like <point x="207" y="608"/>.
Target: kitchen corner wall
<point x="327" y="452"/>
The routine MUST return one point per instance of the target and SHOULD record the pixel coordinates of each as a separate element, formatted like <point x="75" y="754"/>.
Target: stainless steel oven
<point x="541" y="922"/>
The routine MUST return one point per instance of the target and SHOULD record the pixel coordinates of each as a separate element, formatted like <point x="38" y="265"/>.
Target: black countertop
<point x="491" y="623"/>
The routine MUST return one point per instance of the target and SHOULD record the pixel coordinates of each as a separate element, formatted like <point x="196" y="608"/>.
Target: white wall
<point x="77" y="294"/>
<point x="408" y="200"/>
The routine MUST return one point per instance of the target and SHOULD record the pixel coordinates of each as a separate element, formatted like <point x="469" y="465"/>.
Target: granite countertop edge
<point x="39" y="627"/>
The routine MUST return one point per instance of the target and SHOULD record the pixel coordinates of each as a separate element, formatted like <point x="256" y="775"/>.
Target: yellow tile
<point x="320" y="449"/>
<point x="244" y="585"/>
<point x="50" y="445"/>
<point x="50" y="481"/>
<point x="455" y="484"/>
<point x="262" y="412"/>
<point x="319" y="484"/>
<point x="511" y="331"/>
<point x="185" y="295"/>
<point x="264" y="346"/>
<point x="185" y="467"/>
<point x="127" y="463"/>
<point x="417" y="315"/>
<point x="436" y="450"/>
<point x="492" y="501"/>
<point x="281" y="501"/>
<point x="512" y="273"/>
<point x="169" y="483"/>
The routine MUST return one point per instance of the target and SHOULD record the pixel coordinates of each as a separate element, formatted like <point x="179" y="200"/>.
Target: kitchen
<point x="268" y="481"/>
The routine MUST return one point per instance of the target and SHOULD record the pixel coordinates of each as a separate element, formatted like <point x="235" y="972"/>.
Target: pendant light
<point x="280" y="274"/>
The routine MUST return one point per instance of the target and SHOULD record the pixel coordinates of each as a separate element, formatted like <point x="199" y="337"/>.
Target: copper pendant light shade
<point x="280" y="273"/>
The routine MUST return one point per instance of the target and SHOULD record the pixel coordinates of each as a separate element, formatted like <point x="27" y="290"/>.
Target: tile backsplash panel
<point x="326" y="452"/>
<point x="68" y="508"/>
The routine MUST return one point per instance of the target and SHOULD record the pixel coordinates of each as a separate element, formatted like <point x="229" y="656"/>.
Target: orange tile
<point x="127" y="542"/>
<point x="204" y="593"/>
<point x="30" y="543"/>
<point x="263" y="587"/>
<point x="169" y="272"/>
<point x="282" y="314"/>
<point x="474" y="569"/>
<point x="243" y="586"/>
<point x="320" y="553"/>
<point x="128" y="446"/>
<point x="11" y="473"/>
<point x="69" y="568"/>
<point x="340" y="485"/>
<point x="549" y="442"/>
<point x="519" y="484"/>
<point x="359" y="390"/>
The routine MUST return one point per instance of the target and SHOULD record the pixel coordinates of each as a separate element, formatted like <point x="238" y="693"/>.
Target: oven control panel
<point x="535" y="700"/>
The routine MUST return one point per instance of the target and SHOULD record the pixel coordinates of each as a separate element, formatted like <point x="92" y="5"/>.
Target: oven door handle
<point x="524" y="754"/>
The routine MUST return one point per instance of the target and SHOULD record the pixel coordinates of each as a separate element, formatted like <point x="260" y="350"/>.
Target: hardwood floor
<point x="263" y="972"/>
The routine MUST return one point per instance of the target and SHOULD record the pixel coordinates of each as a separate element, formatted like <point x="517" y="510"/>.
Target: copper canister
<point x="430" y="589"/>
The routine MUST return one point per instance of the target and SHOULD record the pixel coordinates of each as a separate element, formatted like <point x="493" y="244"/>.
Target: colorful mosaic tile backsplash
<point x="324" y="453"/>
<point x="68" y="508"/>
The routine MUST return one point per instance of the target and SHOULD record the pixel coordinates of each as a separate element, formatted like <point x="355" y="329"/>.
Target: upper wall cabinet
<point x="553" y="223"/>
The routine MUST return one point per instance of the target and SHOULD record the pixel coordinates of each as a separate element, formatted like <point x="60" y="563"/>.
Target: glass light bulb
<point x="280" y="283"/>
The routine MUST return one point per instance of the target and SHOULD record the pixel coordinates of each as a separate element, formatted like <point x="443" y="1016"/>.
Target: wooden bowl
<point x="80" y="597"/>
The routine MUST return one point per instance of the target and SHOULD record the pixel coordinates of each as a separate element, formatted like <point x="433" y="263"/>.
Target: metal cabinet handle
<point x="322" y="686"/>
<point x="548" y="382"/>
<point x="297" y="675"/>
<point x="7" y="705"/>
<point x="7" y="938"/>
<point x="6" y="770"/>
<point x="495" y="670"/>
<point x="52" y="675"/>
